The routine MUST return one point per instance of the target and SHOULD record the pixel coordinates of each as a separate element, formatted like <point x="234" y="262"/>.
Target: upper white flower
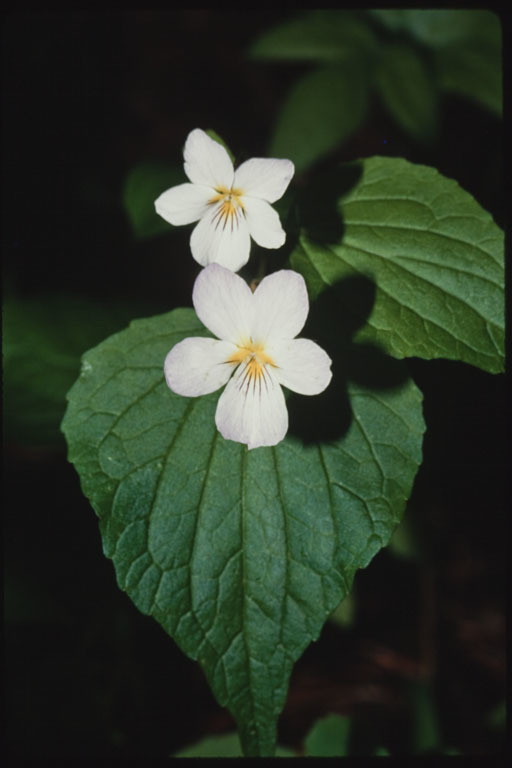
<point x="231" y="206"/>
<point x="255" y="352"/>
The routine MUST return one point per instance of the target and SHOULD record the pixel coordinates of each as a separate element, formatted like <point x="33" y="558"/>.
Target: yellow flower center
<point x="255" y="358"/>
<point x="230" y="208"/>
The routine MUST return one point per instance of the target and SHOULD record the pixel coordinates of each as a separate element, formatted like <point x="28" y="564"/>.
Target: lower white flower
<point x="255" y="352"/>
<point x="230" y="206"/>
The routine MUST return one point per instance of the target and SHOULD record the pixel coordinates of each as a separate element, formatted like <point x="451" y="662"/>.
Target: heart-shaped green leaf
<point x="434" y="254"/>
<point x="240" y="555"/>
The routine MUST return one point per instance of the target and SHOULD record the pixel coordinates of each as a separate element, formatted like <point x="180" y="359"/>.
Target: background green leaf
<point x="143" y="184"/>
<point x="420" y="54"/>
<point x="466" y="47"/>
<point x="473" y="70"/>
<point x="408" y="89"/>
<point x="435" y="256"/>
<point x="497" y="717"/>
<point x="438" y="27"/>
<point x="320" y="112"/>
<point x="240" y="555"/>
<point x="328" y="737"/>
<point x="343" y="615"/>
<point x="226" y="745"/>
<point x="426" y="735"/>
<point x="215" y="136"/>
<point x="317" y="36"/>
<point x="43" y="339"/>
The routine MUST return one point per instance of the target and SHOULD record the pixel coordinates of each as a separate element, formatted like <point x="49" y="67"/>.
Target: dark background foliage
<point x="85" y="98"/>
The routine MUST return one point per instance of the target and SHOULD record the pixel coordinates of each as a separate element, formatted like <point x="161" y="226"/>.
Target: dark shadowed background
<point x="86" y="99"/>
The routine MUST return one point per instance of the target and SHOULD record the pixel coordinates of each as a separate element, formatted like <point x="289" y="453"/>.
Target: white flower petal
<point x="197" y="366"/>
<point x="206" y="161"/>
<point x="224" y="303"/>
<point x="302" y="366"/>
<point x="183" y="204"/>
<point x="224" y="241"/>
<point x="265" y="178"/>
<point x="252" y="411"/>
<point x="263" y="223"/>
<point x="281" y="306"/>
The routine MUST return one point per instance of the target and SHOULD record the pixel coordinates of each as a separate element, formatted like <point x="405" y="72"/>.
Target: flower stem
<point x="261" y="273"/>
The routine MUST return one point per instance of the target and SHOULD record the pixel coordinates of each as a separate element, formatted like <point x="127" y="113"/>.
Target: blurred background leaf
<point x="411" y="56"/>
<point x="328" y="737"/>
<point x="323" y="36"/>
<point x="226" y="745"/>
<point x="466" y="48"/>
<point x="143" y="184"/>
<point x="215" y="136"/>
<point x="323" y="109"/>
<point x="435" y="27"/>
<point x="426" y="736"/>
<point x="473" y="72"/>
<point x="408" y="89"/>
<point x="497" y="717"/>
<point x="345" y="612"/>
<point x="406" y="542"/>
<point x="440" y="27"/>
<point x="43" y="340"/>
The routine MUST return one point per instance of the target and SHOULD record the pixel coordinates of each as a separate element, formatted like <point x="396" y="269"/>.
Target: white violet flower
<point x="230" y="206"/>
<point x="255" y="352"/>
